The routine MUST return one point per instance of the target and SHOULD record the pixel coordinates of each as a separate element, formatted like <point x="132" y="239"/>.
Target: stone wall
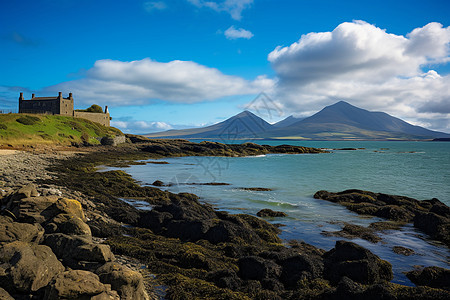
<point x="102" y="118"/>
<point x="39" y="107"/>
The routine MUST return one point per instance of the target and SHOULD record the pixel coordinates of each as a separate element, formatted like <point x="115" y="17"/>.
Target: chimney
<point x="60" y="95"/>
<point x="21" y="96"/>
<point x="70" y="96"/>
<point x="32" y="96"/>
<point x="106" y="109"/>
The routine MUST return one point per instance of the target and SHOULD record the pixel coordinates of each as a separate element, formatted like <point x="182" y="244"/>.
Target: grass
<point x="23" y="129"/>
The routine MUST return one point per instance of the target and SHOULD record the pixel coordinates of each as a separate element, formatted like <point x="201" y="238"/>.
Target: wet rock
<point x="14" y="231"/>
<point x="270" y="213"/>
<point x="300" y="266"/>
<point x="78" y="284"/>
<point x="257" y="189"/>
<point x="225" y="279"/>
<point x="435" y="225"/>
<point x="158" y="183"/>
<point x="357" y="263"/>
<point x="351" y="231"/>
<point x="431" y="276"/>
<point x="403" y="251"/>
<point x="128" y="283"/>
<point x="27" y="268"/>
<point x="257" y="268"/>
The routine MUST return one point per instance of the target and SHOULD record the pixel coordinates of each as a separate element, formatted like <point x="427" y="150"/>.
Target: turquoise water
<point x="419" y="170"/>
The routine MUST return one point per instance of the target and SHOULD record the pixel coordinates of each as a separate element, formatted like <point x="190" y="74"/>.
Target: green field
<point x="27" y="129"/>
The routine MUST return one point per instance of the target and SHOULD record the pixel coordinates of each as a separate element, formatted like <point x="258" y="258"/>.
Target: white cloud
<point x="232" y="33"/>
<point x="370" y="68"/>
<point x="151" y="6"/>
<point x="233" y="7"/>
<point x="140" y="126"/>
<point x="118" y="83"/>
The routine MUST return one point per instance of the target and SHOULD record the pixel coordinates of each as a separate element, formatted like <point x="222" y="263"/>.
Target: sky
<point x="174" y="64"/>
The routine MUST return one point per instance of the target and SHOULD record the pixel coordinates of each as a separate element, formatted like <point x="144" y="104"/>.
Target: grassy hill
<point x="24" y="129"/>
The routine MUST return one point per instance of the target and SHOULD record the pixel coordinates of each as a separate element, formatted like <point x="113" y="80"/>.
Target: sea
<point x="420" y="170"/>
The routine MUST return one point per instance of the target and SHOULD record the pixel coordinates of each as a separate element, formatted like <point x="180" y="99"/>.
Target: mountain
<point x="243" y="125"/>
<point x="340" y="121"/>
<point x="345" y="121"/>
<point x="286" y="122"/>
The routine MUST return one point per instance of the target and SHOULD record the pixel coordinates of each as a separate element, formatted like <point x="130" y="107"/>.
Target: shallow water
<point x="419" y="170"/>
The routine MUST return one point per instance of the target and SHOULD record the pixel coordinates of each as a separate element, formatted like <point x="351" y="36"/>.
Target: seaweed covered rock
<point x="431" y="216"/>
<point x="257" y="268"/>
<point x="270" y="213"/>
<point x="357" y="263"/>
<point x="431" y="276"/>
<point x="26" y="267"/>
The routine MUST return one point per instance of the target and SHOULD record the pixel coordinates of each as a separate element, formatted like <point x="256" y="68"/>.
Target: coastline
<point x="244" y="242"/>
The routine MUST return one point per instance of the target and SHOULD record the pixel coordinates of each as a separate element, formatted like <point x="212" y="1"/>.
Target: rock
<point x="257" y="189"/>
<point x="431" y="276"/>
<point x="78" y="284"/>
<point x="78" y="251"/>
<point x="42" y="209"/>
<point x="129" y="284"/>
<point x="225" y="279"/>
<point x="270" y="213"/>
<point x="257" y="268"/>
<point x="68" y="224"/>
<point x="14" y="231"/>
<point x="4" y="295"/>
<point x="26" y="191"/>
<point x="435" y="225"/>
<point x="351" y="231"/>
<point x="27" y="268"/>
<point x="357" y="263"/>
<point x="158" y="183"/>
<point x="403" y="251"/>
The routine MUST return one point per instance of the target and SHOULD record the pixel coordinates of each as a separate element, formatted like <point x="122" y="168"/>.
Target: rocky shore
<point x="62" y="235"/>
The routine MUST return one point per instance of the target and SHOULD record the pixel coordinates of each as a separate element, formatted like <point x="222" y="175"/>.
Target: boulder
<point x="78" y="251"/>
<point x="78" y="284"/>
<point x="257" y="268"/>
<point x="270" y="213"/>
<point x="4" y="295"/>
<point x="34" y="209"/>
<point x="68" y="224"/>
<point x="129" y="284"/>
<point x="357" y="263"/>
<point x="435" y="225"/>
<point x="27" y="267"/>
<point x="14" y="231"/>
<point x="298" y="266"/>
<point x="431" y="276"/>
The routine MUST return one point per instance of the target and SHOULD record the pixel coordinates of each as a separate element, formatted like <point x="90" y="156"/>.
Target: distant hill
<point x="243" y="125"/>
<point x="286" y="122"/>
<point x="340" y="121"/>
<point x="31" y="129"/>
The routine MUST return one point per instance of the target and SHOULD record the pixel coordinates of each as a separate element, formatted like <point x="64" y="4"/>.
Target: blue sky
<point x="183" y="63"/>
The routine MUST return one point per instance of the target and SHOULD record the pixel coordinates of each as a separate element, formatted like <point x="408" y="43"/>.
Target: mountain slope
<point x="245" y="124"/>
<point x="348" y="121"/>
<point x="286" y="122"/>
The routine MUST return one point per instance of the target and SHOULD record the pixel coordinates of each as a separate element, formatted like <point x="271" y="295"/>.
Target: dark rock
<point x="129" y="284"/>
<point x="14" y="231"/>
<point x="158" y="183"/>
<point x="435" y="225"/>
<point x="225" y="279"/>
<point x="403" y="251"/>
<point x="395" y="213"/>
<point x="300" y="266"/>
<point x="270" y="213"/>
<point x="257" y="189"/>
<point x="431" y="276"/>
<point x="357" y="263"/>
<point x="26" y="268"/>
<point x="348" y="289"/>
<point x="351" y="231"/>
<point x="78" y="284"/>
<point x="257" y="268"/>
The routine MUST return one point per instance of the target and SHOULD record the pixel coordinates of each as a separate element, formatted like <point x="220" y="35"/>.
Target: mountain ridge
<point x="339" y="121"/>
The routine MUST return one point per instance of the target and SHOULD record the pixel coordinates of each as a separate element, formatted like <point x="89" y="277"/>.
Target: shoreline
<point x="205" y="257"/>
